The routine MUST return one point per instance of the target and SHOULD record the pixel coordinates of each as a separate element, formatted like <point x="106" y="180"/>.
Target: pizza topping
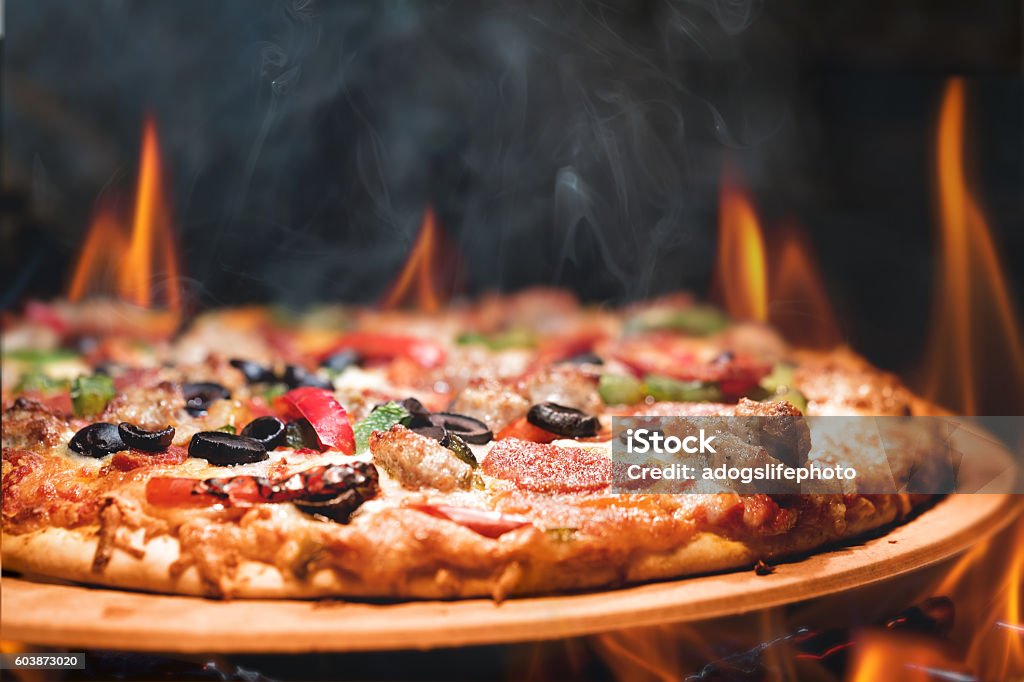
<point x="452" y="441"/>
<point x="127" y="460"/>
<point x="141" y="439"/>
<point x="254" y="372"/>
<point x="491" y="402"/>
<point x="563" y="421"/>
<point x="333" y="490"/>
<point x="468" y="428"/>
<point x="417" y="461"/>
<point x="97" y="440"/>
<point x="678" y="391"/>
<point x="376" y="347"/>
<point x="28" y="423"/>
<point x="569" y="385"/>
<point x="382" y="418"/>
<point x="199" y="396"/>
<point x="620" y="389"/>
<point x="326" y="415"/>
<point x="548" y="468"/>
<point x="524" y="430"/>
<point x="90" y="394"/>
<point x="225" y="449"/>
<point x="299" y="435"/>
<point x="297" y="376"/>
<point x="585" y="358"/>
<point x="696" y="320"/>
<point x="268" y="430"/>
<point x="490" y="524"/>
<point x="340" y="361"/>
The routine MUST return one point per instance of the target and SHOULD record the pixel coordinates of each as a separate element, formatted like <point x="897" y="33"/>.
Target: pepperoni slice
<point x="547" y="468"/>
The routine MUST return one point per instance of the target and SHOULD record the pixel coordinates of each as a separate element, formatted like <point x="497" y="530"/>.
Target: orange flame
<point x="130" y="259"/>
<point x="427" y="263"/>
<point x="889" y="656"/>
<point x="973" y="322"/>
<point x="800" y="308"/>
<point x="741" y="271"/>
<point x="745" y="280"/>
<point x="986" y="584"/>
<point x="99" y="258"/>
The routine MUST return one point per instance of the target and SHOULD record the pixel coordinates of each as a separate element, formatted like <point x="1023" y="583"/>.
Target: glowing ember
<point x="741" y="272"/>
<point x="430" y="259"/>
<point x="975" y="335"/>
<point x="141" y="266"/>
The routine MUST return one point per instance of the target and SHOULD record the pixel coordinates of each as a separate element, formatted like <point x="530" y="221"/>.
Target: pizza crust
<point x="68" y="554"/>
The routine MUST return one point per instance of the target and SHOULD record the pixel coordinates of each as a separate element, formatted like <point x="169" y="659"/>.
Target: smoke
<point x="561" y="142"/>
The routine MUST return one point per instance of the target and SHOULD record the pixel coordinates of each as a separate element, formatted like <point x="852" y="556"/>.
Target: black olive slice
<point x="585" y="359"/>
<point x="565" y="421"/>
<point x="437" y="433"/>
<point x="200" y="395"/>
<point x="218" y="447"/>
<point x="338" y="509"/>
<point x="296" y="376"/>
<point x="141" y="439"/>
<point x="267" y="430"/>
<point x="450" y="441"/>
<point x="420" y="415"/>
<point x="340" y="491"/>
<point x="97" y="440"/>
<point x="254" y="372"/>
<point x="471" y="430"/>
<point x="343" y="359"/>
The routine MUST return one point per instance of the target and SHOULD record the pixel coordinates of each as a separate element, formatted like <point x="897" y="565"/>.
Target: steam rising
<point x="572" y="143"/>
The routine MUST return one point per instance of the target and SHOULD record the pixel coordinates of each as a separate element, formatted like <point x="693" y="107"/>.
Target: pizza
<point x="342" y="451"/>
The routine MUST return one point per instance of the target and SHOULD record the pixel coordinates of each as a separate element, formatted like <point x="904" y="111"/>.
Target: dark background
<point x="569" y="143"/>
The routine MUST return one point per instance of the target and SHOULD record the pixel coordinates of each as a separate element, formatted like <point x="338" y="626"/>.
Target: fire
<point x="101" y="254"/>
<point x="749" y="276"/>
<point x="975" y="335"/>
<point x="741" y="279"/>
<point x="800" y="308"/>
<point x="880" y="655"/>
<point x="986" y="584"/>
<point x="420" y="278"/>
<point x="127" y="266"/>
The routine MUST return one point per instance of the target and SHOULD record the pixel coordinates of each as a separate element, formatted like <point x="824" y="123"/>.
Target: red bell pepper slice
<point x="46" y="315"/>
<point x="376" y="347"/>
<point x="490" y="524"/>
<point x="328" y="418"/>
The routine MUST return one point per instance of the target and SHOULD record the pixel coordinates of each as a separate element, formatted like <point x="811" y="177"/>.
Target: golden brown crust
<point x="516" y="564"/>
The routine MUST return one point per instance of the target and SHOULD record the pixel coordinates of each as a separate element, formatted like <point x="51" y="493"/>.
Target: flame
<point x="800" y="307"/>
<point x="428" y="262"/>
<point x="975" y="334"/>
<point x="741" y="270"/>
<point x="112" y="263"/>
<point x="985" y="584"/>
<point x="888" y="656"/>
<point x="98" y="260"/>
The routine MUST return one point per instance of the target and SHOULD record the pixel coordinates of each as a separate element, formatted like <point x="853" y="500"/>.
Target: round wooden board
<point x="87" y="617"/>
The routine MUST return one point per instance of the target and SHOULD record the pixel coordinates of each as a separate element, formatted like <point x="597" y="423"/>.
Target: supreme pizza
<point x="257" y="452"/>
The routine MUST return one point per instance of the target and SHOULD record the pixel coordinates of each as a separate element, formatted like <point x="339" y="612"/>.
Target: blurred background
<point x="580" y="144"/>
